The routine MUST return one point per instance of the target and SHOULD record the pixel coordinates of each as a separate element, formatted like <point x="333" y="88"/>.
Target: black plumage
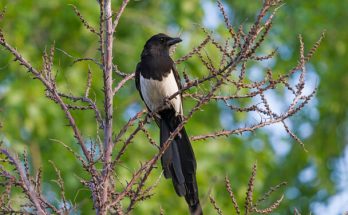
<point x="156" y="78"/>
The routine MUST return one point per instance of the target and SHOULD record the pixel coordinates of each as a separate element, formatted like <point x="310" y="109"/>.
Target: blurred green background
<point x="317" y="179"/>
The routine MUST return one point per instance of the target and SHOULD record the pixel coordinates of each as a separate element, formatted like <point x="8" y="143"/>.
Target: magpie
<point x="157" y="79"/>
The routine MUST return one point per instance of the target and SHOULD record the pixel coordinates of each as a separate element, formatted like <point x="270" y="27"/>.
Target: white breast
<point x="154" y="92"/>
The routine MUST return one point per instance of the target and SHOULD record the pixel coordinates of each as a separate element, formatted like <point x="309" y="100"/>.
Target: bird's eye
<point x="162" y="39"/>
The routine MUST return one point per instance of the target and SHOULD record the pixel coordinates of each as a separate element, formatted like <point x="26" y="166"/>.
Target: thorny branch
<point x="250" y="206"/>
<point x="238" y="51"/>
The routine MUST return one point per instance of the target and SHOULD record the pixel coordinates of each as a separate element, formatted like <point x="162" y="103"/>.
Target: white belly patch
<point x="154" y="92"/>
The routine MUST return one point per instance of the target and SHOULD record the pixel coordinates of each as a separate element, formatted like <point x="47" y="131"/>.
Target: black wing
<point x="137" y="80"/>
<point x="137" y="83"/>
<point x="178" y="82"/>
<point x="177" y="77"/>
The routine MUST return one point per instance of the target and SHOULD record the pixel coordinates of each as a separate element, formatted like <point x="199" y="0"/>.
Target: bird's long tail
<point x="179" y="161"/>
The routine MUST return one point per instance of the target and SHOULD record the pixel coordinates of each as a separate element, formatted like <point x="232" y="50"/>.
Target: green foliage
<point x="31" y="122"/>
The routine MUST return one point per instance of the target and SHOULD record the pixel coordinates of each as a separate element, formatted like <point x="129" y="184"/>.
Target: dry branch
<point x="249" y="205"/>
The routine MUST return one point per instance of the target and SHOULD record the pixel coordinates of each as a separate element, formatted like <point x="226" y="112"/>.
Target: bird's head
<point x="159" y="44"/>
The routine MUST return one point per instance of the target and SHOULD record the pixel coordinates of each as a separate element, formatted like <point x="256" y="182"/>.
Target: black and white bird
<point x="157" y="79"/>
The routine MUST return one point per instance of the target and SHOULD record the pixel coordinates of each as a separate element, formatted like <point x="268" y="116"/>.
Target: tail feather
<point x="179" y="161"/>
<point x="171" y="162"/>
<point x="189" y="166"/>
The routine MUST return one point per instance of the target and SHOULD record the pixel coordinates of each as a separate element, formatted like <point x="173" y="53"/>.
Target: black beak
<point x="173" y="41"/>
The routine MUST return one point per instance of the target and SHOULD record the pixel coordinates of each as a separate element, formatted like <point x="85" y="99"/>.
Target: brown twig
<point x="25" y="183"/>
<point x="232" y="196"/>
<point x="119" y="14"/>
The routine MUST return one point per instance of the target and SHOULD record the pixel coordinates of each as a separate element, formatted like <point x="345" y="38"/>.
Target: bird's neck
<point x="154" y="52"/>
<point x="156" y="66"/>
